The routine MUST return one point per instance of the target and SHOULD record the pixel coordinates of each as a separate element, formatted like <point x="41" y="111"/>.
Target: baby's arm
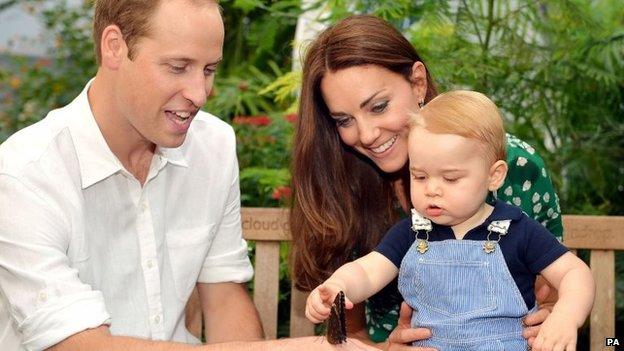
<point x="358" y="279"/>
<point x="576" y="288"/>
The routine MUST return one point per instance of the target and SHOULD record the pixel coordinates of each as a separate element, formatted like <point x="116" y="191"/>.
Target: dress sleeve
<point x="529" y="186"/>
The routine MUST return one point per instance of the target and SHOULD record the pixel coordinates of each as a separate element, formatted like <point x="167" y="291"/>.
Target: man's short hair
<point x="131" y="16"/>
<point x="466" y="113"/>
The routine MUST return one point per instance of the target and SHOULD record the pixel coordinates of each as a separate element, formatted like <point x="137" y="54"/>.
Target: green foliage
<point x="29" y="87"/>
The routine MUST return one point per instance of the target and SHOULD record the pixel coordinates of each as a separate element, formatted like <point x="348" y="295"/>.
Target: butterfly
<point x="336" y="326"/>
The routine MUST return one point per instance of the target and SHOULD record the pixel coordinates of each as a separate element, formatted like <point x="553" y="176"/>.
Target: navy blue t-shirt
<point x="528" y="247"/>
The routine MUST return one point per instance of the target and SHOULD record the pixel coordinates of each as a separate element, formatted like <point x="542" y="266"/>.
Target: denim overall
<point x="465" y="295"/>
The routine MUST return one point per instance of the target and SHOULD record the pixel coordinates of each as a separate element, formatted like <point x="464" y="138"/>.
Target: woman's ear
<point x="498" y="172"/>
<point x="418" y="79"/>
<point x="113" y="47"/>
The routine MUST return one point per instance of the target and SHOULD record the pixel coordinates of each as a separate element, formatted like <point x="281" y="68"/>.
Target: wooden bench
<point x="267" y="227"/>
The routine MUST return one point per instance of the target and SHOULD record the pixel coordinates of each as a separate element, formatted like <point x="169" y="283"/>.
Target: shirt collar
<point x="502" y="211"/>
<point x="97" y="161"/>
<point x="95" y="158"/>
<point x="175" y="156"/>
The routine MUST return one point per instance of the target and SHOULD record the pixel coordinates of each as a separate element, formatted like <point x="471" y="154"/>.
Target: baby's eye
<point x="451" y="180"/>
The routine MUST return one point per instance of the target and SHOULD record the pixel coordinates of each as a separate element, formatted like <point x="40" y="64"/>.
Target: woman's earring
<point x="421" y="103"/>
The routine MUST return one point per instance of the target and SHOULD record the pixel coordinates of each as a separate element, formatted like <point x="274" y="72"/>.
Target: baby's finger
<point x="313" y="315"/>
<point x="320" y="310"/>
<point x="326" y="293"/>
<point x="348" y="304"/>
<point x="309" y="316"/>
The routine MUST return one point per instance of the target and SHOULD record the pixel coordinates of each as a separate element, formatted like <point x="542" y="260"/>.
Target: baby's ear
<point x="498" y="172"/>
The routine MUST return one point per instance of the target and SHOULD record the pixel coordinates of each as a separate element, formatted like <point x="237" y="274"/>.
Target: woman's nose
<point x="368" y="132"/>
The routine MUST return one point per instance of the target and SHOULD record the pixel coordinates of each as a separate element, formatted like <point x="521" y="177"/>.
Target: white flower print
<point x="535" y="197"/>
<point x="546" y="197"/>
<point x="517" y="201"/>
<point x="508" y="191"/>
<point x="526" y="186"/>
<point x="550" y="212"/>
<point x="521" y="161"/>
<point x="537" y="208"/>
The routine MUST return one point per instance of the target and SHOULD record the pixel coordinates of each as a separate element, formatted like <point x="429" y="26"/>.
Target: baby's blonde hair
<point x="469" y="114"/>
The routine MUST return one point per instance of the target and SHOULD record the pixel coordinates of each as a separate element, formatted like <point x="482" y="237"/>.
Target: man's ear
<point x="498" y="172"/>
<point x="418" y="79"/>
<point x="113" y="47"/>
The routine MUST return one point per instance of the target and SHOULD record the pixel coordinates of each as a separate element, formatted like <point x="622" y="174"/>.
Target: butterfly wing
<point x="336" y="325"/>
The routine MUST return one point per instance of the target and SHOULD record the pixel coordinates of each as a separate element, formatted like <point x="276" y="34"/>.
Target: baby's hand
<point x="320" y="300"/>
<point x="556" y="333"/>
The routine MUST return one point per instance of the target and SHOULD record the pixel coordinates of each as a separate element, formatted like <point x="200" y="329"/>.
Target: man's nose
<point x="197" y="89"/>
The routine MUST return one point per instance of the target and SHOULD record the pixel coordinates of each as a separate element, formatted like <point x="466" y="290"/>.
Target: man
<point x="115" y="206"/>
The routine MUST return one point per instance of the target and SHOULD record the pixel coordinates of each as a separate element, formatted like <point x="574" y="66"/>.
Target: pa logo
<point x="612" y="342"/>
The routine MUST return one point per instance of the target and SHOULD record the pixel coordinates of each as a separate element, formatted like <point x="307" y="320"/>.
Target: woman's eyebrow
<point x="365" y="102"/>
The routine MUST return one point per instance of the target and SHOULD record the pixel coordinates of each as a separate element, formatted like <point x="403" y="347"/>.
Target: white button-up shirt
<point x="82" y="243"/>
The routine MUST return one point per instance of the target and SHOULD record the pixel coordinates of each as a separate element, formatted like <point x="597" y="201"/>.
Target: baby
<point x="467" y="268"/>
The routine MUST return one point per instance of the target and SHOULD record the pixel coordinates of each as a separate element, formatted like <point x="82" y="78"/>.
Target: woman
<point x="361" y="78"/>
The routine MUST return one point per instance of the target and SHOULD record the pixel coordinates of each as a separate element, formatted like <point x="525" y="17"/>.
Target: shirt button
<point x="43" y="297"/>
<point x="149" y="263"/>
<point x="143" y="206"/>
<point x="157" y="319"/>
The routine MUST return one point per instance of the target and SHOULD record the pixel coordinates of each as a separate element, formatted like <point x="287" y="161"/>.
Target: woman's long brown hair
<point x="343" y="204"/>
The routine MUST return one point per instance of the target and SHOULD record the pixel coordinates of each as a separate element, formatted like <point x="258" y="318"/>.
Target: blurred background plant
<point x="555" y="68"/>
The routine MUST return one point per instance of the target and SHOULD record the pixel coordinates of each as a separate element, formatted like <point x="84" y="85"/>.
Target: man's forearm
<point x="229" y="314"/>
<point x="101" y="339"/>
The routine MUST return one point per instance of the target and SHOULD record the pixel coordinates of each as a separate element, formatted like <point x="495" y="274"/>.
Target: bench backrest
<point x="269" y="226"/>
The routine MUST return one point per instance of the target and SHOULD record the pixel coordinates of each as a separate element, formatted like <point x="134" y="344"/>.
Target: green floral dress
<point x="527" y="186"/>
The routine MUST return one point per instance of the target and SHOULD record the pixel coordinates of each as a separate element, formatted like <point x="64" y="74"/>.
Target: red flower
<point x="291" y="117"/>
<point x="252" y="120"/>
<point x="281" y="193"/>
<point x="259" y="120"/>
<point x="240" y="120"/>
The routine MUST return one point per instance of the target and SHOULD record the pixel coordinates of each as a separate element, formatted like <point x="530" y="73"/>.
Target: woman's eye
<point x="380" y="107"/>
<point x="343" y="122"/>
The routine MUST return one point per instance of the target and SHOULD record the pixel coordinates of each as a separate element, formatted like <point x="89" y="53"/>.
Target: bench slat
<point x="594" y="232"/>
<point x="602" y="318"/>
<point x="266" y="285"/>
<point x="265" y="224"/>
<point x="299" y="324"/>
